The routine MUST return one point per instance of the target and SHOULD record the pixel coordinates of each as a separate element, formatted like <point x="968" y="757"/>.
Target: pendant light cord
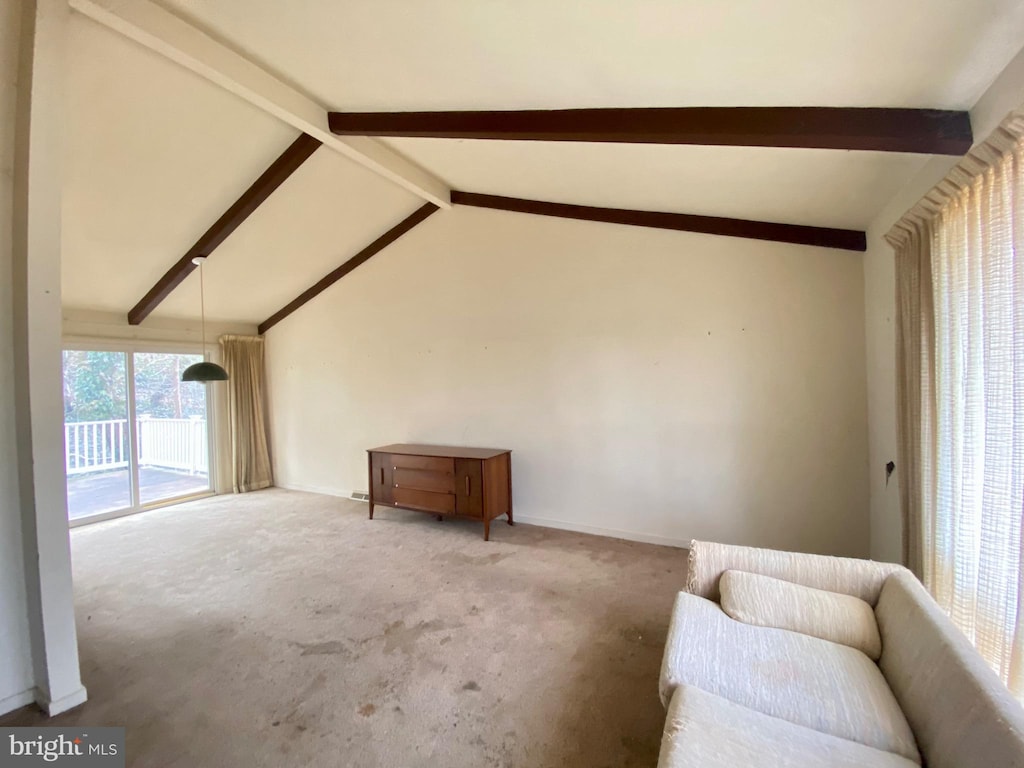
<point x="202" y="307"/>
<point x="203" y="371"/>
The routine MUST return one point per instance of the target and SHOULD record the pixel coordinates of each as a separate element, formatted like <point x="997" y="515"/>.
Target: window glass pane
<point x="171" y="416"/>
<point x="96" y="445"/>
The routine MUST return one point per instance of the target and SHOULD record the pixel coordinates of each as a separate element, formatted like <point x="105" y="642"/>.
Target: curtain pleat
<point x="960" y="394"/>
<point x="250" y="455"/>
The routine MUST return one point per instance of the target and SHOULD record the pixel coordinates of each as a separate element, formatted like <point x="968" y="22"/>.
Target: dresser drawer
<point x="442" y="503"/>
<point x="431" y="463"/>
<point x="423" y="480"/>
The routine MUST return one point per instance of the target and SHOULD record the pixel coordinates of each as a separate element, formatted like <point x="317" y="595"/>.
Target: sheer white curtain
<point x="960" y="361"/>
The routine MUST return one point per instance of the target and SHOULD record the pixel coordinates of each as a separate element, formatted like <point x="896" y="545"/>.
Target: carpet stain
<point x="461" y="558"/>
<point x="471" y="686"/>
<point x="331" y="648"/>
<point x="633" y="744"/>
<point x="648" y="635"/>
<point x="367" y="709"/>
<point x="399" y="637"/>
<point x="617" y="552"/>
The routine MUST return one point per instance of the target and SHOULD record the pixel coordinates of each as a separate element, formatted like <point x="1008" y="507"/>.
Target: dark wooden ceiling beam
<point x="378" y="245"/>
<point x="927" y="131"/>
<point x="824" y="237"/>
<point x="289" y="161"/>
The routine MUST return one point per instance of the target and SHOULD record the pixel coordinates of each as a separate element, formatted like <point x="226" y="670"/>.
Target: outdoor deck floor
<point x="96" y="492"/>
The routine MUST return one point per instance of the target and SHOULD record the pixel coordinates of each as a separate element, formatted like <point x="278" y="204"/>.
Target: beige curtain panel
<point x="247" y="420"/>
<point x="914" y="344"/>
<point x="960" y="394"/>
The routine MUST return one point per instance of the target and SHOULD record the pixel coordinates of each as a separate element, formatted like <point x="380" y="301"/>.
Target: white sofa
<point x="744" y="695"/>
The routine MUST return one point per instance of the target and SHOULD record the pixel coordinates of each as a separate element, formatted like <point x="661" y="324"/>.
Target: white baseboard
<point x="313" y="489"/>
<point x="544" y="522"/>
<point x="17" y="701"/>
<point x="63" y="704"/>
<point x="613" y="533"/>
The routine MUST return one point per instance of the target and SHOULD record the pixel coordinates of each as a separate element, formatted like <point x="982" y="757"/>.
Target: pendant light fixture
<point x="204" y="371"/>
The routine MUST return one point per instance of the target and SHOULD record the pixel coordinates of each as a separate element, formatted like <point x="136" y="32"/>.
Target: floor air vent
<point x="360" y="496"/>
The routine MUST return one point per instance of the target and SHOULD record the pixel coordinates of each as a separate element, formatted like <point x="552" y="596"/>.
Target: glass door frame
<point x="129" y="348"/>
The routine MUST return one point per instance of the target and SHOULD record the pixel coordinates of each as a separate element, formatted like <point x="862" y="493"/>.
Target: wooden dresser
<point x="443" y="480"/>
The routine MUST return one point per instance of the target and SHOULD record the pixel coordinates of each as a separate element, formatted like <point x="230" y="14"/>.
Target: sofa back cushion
<point x="961" y="713"/>
<point x="846" y="575"/>
<point x="767" y="602"/>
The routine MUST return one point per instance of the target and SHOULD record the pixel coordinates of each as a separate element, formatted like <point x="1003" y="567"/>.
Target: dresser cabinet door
<point x="469" y="488"/>
<point x="381" y="479"/>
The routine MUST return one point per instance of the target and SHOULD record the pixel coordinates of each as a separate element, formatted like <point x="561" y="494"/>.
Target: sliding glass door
<point x="97" y="443"/>
<point x="135" y="434"/>
<point x="170" y="418"/>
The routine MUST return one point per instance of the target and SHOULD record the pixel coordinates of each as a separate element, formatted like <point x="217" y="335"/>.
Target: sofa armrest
<point x="849" y="576"/>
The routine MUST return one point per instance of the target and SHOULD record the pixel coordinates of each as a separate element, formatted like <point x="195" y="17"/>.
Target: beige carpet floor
<point x="286" y="629"/>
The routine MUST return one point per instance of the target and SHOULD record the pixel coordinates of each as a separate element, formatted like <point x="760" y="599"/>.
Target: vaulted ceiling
<point x="522" y="54"/>
<point x="155" y="153"/>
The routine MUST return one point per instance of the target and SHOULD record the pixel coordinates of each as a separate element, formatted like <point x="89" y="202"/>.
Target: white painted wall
<point x="653" y="385"/>
<point x="16" y="678"/>
<point x="1004" y="95"/>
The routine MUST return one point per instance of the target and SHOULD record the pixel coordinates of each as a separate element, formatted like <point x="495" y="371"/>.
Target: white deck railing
<point x="173" y="444"/>
<point x="94" y="446"/>
<point x="90" y="446"/>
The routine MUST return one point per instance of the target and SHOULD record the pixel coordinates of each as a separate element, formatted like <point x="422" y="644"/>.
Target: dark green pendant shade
<point x="204" y="372"/>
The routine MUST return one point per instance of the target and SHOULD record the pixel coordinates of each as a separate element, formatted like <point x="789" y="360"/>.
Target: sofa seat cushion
<point x="829" y="687"/>
<point x="706" y="731"/>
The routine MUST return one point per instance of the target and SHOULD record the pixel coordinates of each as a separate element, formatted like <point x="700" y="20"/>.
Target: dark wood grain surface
<point x="925" y="131"/>
<point x="824" y="237"/>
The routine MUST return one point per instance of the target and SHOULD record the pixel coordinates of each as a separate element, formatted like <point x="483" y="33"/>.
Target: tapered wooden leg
<point x="369" y="487"/>
<point x="508" y="472"/>
<point x="487" y="529"/>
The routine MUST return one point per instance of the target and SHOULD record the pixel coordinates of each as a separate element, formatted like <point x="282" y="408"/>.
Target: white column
<point x="37" y="355"/>
<point x="16" y="677"/>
